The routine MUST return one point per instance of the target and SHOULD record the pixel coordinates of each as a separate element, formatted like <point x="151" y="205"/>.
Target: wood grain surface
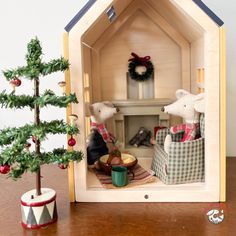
<point x="117" y="218"/>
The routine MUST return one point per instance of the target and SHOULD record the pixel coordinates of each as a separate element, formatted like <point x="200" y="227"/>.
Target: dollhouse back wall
<point x="142" y="36"/>
<point x="145" y="30"/>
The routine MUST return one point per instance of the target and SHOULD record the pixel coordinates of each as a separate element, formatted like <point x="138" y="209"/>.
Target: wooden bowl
<point x="129" y="161"/>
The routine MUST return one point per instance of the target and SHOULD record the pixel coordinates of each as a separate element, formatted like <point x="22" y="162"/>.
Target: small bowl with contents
<point x="116" y="158"/>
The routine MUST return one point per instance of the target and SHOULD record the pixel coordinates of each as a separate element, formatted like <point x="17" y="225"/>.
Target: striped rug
<point x="141" y="176"/>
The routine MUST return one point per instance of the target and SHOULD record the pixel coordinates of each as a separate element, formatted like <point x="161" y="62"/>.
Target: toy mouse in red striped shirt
<point x="188" y="106"/>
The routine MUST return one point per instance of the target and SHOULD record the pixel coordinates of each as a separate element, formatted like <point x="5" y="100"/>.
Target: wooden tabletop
<point x="115" y="218"/>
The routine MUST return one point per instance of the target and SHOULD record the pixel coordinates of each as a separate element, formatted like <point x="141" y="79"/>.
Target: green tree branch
<point x="48" y="98"/>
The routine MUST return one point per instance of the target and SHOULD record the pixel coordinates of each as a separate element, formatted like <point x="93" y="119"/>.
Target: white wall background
<point x="19" y="22"/>
<point x="24" y="19"/>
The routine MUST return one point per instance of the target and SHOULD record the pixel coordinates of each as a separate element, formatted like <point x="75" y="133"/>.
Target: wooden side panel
<point x="183" y="23"/>
<point x="103" y="22"/>
<point x="191" y="12"/>
<point x="222" y="115"/>
<point x="71" y="178"/>
<point x="87" y="75"/>
<point x="197" y="62"/>
<point x="96" y="83"/>
<point x="212" y="115"/>
<point x="77" y="87"/>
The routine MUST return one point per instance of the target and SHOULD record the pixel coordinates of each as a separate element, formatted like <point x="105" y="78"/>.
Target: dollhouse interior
<point x="175" y="43"/>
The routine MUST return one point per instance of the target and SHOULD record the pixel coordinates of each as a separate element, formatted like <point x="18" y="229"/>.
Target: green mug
<point x="119" y="175"/>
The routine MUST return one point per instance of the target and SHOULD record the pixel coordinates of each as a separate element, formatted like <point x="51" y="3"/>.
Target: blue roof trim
<point x="79" y="15"/>
<point x="90" y="3"/>
<point x="209" y="12"/>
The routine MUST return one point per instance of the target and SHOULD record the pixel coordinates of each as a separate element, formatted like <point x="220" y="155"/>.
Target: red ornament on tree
<point x="15" y="83"/>
<point x="71" y="142"/>
<point x="34" y="139"/>
<point x="62" y="166"/>
<point x="4" y="169"/>
<point x="27" y="146"/>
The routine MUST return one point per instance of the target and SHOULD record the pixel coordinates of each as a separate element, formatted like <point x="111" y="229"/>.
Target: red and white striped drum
<point x="38" y="211"/>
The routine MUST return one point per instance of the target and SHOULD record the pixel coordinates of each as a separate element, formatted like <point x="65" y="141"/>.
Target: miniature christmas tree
<point x="15" y="156"/>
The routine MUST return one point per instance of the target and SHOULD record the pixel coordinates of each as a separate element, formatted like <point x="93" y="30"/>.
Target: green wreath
<point x="140" y="61"/>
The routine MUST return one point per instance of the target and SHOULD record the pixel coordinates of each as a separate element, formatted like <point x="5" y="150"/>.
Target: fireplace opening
<point x="142" y="123"/>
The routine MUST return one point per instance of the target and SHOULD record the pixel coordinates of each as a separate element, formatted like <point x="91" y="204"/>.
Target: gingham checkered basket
<point x="185" y="161"/>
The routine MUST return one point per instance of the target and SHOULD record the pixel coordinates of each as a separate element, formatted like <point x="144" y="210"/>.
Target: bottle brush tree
<point x="15" y="155"/>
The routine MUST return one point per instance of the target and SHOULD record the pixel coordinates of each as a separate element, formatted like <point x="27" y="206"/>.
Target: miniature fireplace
<point x="135" y="114"/>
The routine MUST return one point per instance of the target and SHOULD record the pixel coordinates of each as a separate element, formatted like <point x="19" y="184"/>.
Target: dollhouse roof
<point x="79" y="15"/>
<point x="90" y="3"/>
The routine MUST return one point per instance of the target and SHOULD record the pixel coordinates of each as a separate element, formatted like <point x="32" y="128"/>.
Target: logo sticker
<point x="215" y="216"/>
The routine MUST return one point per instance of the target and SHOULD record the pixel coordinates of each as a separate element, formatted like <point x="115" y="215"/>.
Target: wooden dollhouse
<point x="186" y="43"/>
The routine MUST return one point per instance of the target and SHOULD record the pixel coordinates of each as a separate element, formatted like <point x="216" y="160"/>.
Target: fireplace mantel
<point x="136" y="113"/>
<point x="142" y="102"/>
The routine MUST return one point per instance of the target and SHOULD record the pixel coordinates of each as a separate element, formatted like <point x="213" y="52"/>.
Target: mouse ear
<point x="181" y="93"/>
<point x="199" y="103"/>
<point x="108" y="103"/>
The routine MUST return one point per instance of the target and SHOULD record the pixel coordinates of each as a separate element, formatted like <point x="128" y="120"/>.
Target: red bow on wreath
<point x="142" y="60"/>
